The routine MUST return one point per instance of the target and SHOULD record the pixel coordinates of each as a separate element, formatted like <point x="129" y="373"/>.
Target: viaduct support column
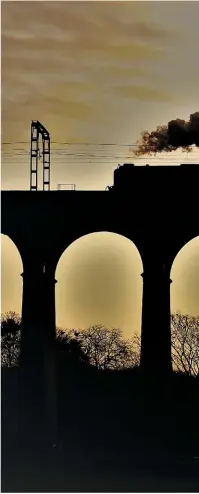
<point x="38" y="363"/>
<point x="156" y="333"/>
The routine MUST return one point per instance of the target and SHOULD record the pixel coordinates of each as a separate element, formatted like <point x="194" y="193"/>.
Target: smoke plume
<point x="166" y="138"/>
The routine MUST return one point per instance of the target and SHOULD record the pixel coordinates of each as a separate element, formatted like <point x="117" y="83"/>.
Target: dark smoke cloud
<point x="166" y="138"/>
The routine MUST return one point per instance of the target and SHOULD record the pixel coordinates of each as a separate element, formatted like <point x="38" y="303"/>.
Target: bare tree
<point x="10" y="338"/>
<point x="136" y="347"/>
<point x="68" y="346"/>
<point x="105" y="348"/>
<point x="185" y="343"/>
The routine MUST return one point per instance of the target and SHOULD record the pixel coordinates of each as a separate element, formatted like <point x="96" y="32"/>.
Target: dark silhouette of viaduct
<point x="155" y="207"/>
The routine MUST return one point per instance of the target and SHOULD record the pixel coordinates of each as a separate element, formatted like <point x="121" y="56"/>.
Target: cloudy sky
<point x="97" y="73"/>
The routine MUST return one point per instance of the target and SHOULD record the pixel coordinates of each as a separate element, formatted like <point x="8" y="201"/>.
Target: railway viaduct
<point x="157" y="208"/>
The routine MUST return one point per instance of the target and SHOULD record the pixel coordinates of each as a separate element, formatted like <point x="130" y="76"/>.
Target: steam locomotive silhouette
<point x="145" y="177"/>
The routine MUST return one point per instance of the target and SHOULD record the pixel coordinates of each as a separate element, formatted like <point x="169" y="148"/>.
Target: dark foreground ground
<point x="116" y="432"/>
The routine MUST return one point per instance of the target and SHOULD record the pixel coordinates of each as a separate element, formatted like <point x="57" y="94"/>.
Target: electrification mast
<point x="37" y="130"/>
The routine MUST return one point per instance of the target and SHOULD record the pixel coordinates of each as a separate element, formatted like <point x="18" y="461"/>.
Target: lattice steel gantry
<point x="37" y="130"/>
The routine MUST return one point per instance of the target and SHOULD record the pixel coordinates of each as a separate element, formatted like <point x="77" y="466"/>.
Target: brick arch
<point x="129" y="246"/>
<point x="65" y="241"/>
<point x="16" y="242"/>
<point x="11" y="276"/>
<point x="180" y="299"/>
<point x="185" y="241"/>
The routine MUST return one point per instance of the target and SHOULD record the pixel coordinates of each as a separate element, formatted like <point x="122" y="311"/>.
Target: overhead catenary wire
<point x="19" y="155"/>
<point x="75" y="143"/>
<point x="67" y="143"/>
<point x="103" y="158"/>
<point x="94" y="155"/>
<point x="97" y="147"/>
<point x="82" y="144"/>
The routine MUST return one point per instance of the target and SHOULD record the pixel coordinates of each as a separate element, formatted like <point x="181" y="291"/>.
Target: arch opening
<point x="99" y="283"/>
<point x="11" y="301"/>
<point x="11" y="281"/>
<point x="185" y="309"/>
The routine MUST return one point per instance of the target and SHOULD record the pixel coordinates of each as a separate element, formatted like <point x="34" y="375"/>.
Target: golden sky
<point x="97" y="72"/>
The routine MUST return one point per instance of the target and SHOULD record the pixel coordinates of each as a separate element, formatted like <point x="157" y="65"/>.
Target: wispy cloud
<point x="75" y="60"/>
<point x="143" y="93"/>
